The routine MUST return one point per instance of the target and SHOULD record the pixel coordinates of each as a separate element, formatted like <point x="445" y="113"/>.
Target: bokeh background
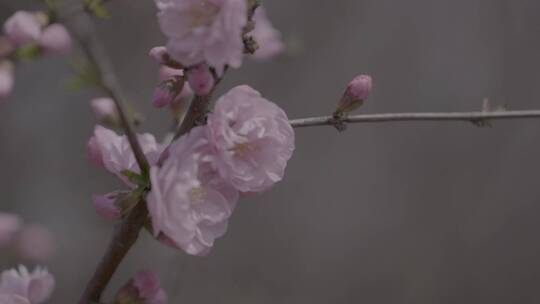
<point x="427" y="212"/>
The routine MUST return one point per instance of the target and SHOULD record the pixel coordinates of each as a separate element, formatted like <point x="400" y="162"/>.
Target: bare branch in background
<point x="477" y="118"/>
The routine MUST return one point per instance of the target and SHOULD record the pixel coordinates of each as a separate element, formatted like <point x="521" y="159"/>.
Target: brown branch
<point x="477" y="118"/>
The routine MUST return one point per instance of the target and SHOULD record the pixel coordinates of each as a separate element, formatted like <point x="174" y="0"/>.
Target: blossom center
<point x="197" y="195"/>
<point x="241" y="149"/>
<point x="203" y="13"/>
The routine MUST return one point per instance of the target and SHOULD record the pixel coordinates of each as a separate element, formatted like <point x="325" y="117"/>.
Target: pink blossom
<point x="200" y="79"/>
<point x="253" y="139"/>
<point x="116" y="152"/>
<point x="9" y="226"/>
<point x="56" y="39"/>
<point x="357" y="91"/>
<point x="267" y="37"/>
<point x="105" y="110"/>
<point x="107" y="205"/>
<point x="36" y="243"/>
<point x="21" y="286"/>
<point x="204" y="31"/>
<point x="189" y="202"/>
<point x="22" y="28"/>
<point x="6" y="79"/>
<point x="93" y="152"/>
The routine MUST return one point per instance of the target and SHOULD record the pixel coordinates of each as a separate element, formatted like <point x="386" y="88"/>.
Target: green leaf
<point x="96" y="8"/>
<point x="86" y="75"/>
<point x="28" y="52"/>
<point x="138" y="179"/>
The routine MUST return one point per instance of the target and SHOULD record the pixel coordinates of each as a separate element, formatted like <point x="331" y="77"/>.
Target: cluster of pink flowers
<point x="28" y="30"/>
<point x="20" y="286"/>
<point x="211" y="32"/>
<point x="32" y="242"/>
<point x="244" y="148"/>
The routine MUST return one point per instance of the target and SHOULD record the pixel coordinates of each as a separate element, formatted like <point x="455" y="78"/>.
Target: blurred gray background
<point x="390" y="213"/>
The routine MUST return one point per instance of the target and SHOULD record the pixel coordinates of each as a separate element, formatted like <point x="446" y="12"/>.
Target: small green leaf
<point x="96" y="8"/>
<point x="28" y="52"/>
<point x="136" y="178"/>
<point x="86" y="75"/>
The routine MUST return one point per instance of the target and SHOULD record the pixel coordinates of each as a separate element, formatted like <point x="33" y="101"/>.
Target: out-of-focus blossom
<point x="107" y="205"/>
<point x="36" y="243"/>
<point x="189" y="202"/>
<point x="6" y="47"/>
<point x="9" y="226"/>
<point x="6" y="79"/>
<point x="22" y="28"/>
<point x="21" y="286"/>
<point x="268" y="38"/>
<point x="200" y="79"/>
<point x="116" y="153"/>
<point x="204" y="31"/>
<point x="143" y="288"/>
<point x="105" y="110"/>
<point x="357" y="91"/>
<point x="56" y="39"/>
<point x="253" y="139"/>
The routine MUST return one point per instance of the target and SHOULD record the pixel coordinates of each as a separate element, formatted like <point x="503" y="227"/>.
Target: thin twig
<point x="95" y="51"/>
<point x="477" y="118"/>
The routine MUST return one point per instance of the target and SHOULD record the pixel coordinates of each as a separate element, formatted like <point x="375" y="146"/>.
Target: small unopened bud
<point x="168" y="91"/>
<point x="7" y="78"/>
<point x="105" y="111"/>
<point x="144" y="288"/>
<point x="159" y="54"/>
<point x="56" y="39"/>
<point x="357" y="91"/>
<point x="108" y="206"/>
<point x="200" y="79"/>
<point x="22" y="28"/>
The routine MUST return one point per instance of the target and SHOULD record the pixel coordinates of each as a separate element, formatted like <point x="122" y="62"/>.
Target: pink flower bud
<point x="9" y="226"/>
<point x="168" y="91"/>
<point x="145" y="287"/>
<point x="6" y="46"/>
<point x="200" y="79"/>
<point x="162" y="96"/>
<point x="36" y="243"/>
<point x="357" y="91"/>
<point x="159" y="54"/>
<point x="56" y="39"/>
<point x="6" y="79"/>
<point x="22" y="28"/>
<point x="105" y="110"/>
<point x="107" y="205"/>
